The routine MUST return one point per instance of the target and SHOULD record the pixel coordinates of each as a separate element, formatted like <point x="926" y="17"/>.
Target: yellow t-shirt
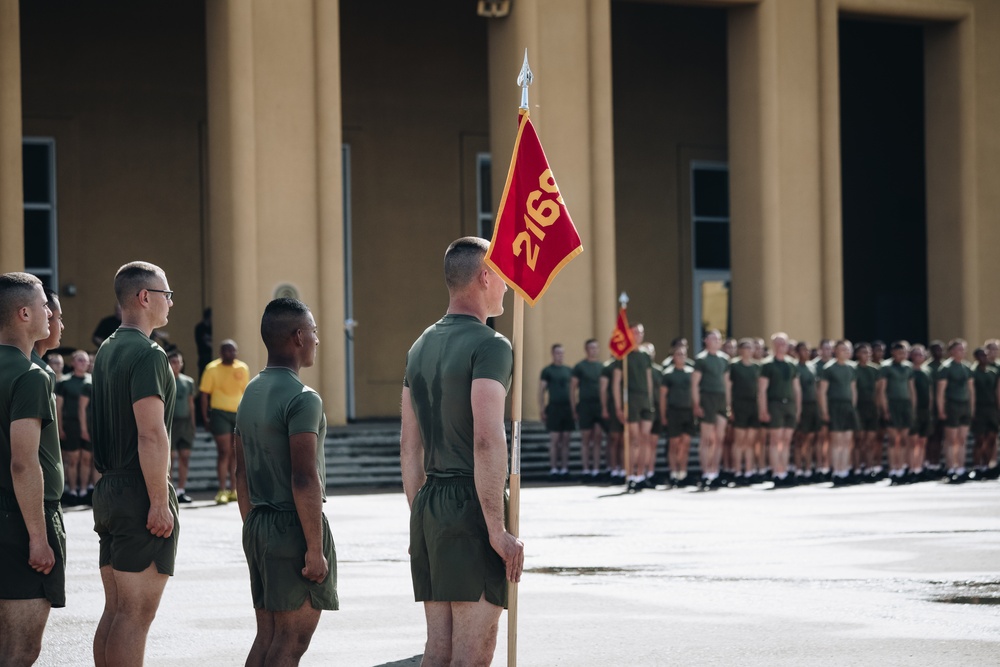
<point x="225" y="383"/>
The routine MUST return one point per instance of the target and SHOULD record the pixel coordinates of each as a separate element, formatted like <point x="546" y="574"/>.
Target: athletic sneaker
<point x="232" y="495"/>
<point x="222" y="497"/>
<point x="184" y="498"/>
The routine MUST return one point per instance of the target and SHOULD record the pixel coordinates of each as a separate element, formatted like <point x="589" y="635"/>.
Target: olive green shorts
<point x="957" y="414"/>
<point x="451" y="559"/>
<point x="745" y="413"/>
<point x="639" y="409"/>
<point x="900" y="414"/>
<point x="782" y="414"/>
<point x="613" y="424"/>
<point x="275" y="547"/>
<point x="221" y="422"/>
<point x="867" y="416"/>
<point x="809" y="419"/>
<point x="18" y="580"/>
<point x="74" y="442"/>
<point x="559" y="418"/>
<point x="922" y="423"/>
<point x="842" y="416"/>
<point x="985" y="420"/>
<point x="182" y="434"/>
<point x="588" y="414"/>
<point x="713" y="404"/>
<point x="680" y="421"/>
<point x="121" y="510"/>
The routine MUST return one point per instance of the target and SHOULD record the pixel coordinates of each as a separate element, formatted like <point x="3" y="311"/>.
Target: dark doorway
<point x="883" y="179"/>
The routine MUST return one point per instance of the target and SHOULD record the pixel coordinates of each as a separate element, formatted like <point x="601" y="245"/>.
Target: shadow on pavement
<point x="405" y="662"/>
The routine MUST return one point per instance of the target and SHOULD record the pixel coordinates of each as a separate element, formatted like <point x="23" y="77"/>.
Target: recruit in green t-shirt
<point x="26" y="393"/>
<point x="440" y="368"/>
<point x="128" y="368"/>
<point x="956" y="374"/>
<point x="275" y="406"/>
<point x="713" y="369"/>
<point x="780" y="374"/>
<point x="897" y="378"/>
<point x="678" y="384"/>
<point x="839" y="378"/>
<point x="557" y="383"/>
<point x="744" y="378"/>
<point x="807" y="381"/>
<point x="588" y="377"/>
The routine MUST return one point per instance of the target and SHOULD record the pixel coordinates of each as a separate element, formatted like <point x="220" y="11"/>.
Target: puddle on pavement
<point x="579" y="571"/>
<point x="970" y="599"/>
<point x="980" y="593"/>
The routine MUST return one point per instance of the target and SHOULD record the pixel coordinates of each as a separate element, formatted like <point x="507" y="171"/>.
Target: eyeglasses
<point x="169" y="294"/>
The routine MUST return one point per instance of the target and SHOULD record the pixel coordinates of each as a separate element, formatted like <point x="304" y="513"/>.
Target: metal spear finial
<point x="524" y="80"/>
<point x="623" y="300"/>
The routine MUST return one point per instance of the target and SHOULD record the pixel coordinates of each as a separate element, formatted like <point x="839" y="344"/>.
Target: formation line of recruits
<point x="453" y="453"/>
<point x="795" y="416"/>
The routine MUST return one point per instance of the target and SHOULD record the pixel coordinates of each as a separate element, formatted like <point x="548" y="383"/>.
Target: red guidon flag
<point x="622" y="340"/>
<point x="534" y="237"/>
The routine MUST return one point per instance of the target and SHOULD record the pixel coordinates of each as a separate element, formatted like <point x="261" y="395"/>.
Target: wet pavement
<point x="866" y="575"/>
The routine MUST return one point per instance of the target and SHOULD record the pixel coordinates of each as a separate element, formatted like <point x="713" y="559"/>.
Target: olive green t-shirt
<point x="867" y="376"/>
<point x="678" y="384"/>
<point x="897" y="379"/>
<point x="985" y="379"/>
<point x="839" y="378"/>
<point x="440" y="368"/>
<point x="807" y="381"/>
<point x="713" y="369"/>
<point x="557" y="383"/>
<point x="275" y="406"/>
<point x="128" y="368"/>
<point x="657" y="373"/>
<point x="26" y="393"/>
<point x="638" y="363"/>
<point x="608" y="371"/>
<point x="744" y="378"/>
<point x="35" y="359"/>
<point x="780" y="374"/>
<point x="185" y="389"/>
<point x="588" y="375"/>
<point x="923" y="384"/>
<point x="71" y="388"/>
<point x="957" y="375"/>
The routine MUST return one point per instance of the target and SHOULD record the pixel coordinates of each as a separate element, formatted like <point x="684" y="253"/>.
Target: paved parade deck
<point x="866" y="575"/>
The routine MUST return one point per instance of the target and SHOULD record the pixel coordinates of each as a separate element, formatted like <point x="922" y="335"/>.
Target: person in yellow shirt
<point x="222" y="386"/>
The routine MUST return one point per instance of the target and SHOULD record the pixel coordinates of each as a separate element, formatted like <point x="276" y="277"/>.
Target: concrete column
<point x="329" y="177"/>
<point x="774" y="178"/>
<point x="952" y="233"/>
<point x="831" y="194"/>
<point x="571" y="110"/>
<point x="232" y="177"/>
<point x="602" y="176"/>
<point x="275" y="175"/>
<point x="753" y="168"/>
<point x="11" y="182"/>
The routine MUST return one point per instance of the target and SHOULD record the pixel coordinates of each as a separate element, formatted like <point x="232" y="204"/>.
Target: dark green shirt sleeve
<point x="30" y="398"/>
<point x="305" y="413"/>
<point x="494" y="360"/>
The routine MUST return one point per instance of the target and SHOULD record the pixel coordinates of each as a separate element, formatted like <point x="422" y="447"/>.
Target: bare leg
<point x="437" y="650"/>
<point x="706" y="447"/>
<point x="22" y="624"/>
<point x="614" y="450"/>
<point x="596" y="435"/>
<point x="262" y="642"/>
<point x="183" y="465"/>
<point x="474" y="632"/>
<point x="138" y="596"/>
<point x="71" y="466"/>
<point x="107" y="618"/>
<point x="720" y="435"/>
<point x="564" y="449"/>
<point x="225" y="461"/>
<point x="586" y="438"/>
<point x="291" y="632"/>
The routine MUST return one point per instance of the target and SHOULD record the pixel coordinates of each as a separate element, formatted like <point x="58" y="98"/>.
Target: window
<point x="38" y="161"/>
<point x="710" y="251"/>
<point x="484" y="195"/>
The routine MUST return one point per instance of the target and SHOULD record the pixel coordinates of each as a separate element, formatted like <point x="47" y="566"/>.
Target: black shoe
<point x="992" y="473"/>
<point x="841" y="481"/>
<point x="87" y="498"/>
<point x="633" y="487"/>
<point x="69" y="500"/>
<point x="958" y="478"/>
<point x="184" y="498"/>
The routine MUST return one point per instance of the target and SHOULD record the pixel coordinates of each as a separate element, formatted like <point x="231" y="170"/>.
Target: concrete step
<point x="368" y="456"/>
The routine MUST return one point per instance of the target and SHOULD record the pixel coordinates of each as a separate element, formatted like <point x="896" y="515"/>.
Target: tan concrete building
<point x="826" y="167"/>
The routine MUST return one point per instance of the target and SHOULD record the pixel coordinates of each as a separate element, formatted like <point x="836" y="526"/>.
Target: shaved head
<point x="17" y="290"/>
<point x="135" y="277"/>
<point x="282" y="318"/>
<point x="463" y="260"/>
